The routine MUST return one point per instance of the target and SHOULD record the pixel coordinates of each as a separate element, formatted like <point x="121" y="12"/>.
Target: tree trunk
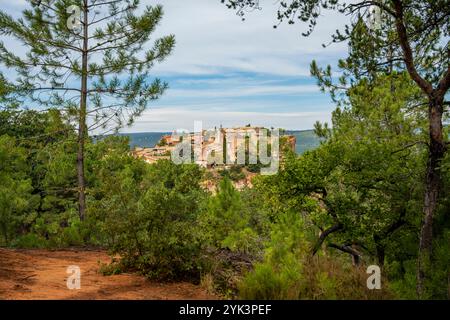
<point x="82" y="119"/>
<point x="380" y="255"/>
<point x="436" y="148"/>
<point x="348" y="249"/>
<point x="436" y="152"/>
<point x="323" y="236"/>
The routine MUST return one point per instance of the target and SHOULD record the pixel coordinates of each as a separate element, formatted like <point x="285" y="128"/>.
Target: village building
<point x="208" y="146"/>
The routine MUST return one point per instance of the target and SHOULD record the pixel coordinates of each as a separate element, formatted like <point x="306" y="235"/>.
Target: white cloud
<point x="212" y="41"/>
<point x="249" y="91"/>
<point x="181" y="118"/>
<point x="211" y="38"/>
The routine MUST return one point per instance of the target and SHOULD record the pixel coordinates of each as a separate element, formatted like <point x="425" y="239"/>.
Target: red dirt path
<point x="41" y="274"/>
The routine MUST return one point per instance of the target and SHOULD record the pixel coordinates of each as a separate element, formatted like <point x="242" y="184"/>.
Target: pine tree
<point x="384" y="36"/>
<point x="89" y="58"/>
<point x="224" y="213"/>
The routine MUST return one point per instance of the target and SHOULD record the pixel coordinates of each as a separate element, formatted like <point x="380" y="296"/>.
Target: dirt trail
<point x="41" y="274"/>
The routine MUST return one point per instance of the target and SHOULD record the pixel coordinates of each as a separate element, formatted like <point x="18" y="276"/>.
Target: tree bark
<point x="323" y="236"/>
<point x="380" y="247"/>
<point x="348" y="249"/>
<point x="381" y="254"/>
<point x="436" y="148"/>
<point x="436" y="151"/>
<point x="82" y="118"/>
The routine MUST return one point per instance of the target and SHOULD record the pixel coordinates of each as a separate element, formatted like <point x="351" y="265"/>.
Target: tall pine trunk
<point x="436" y="151"/>
<point x="82" y="118"/>
<point x="436" y="148"/>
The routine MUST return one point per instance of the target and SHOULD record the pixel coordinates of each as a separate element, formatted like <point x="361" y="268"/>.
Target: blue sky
<point x="228" y="72"/>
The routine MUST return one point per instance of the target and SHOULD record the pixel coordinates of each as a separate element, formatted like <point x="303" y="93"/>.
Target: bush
<point x="16" y="199"/>
<point x="30" y="240"/>
<point x="226" y="223"/>
<point x="289" y="272"/>
<point x="234" y="173"/>
<point x="150" y="217"/>
<point x="113" y="268"/>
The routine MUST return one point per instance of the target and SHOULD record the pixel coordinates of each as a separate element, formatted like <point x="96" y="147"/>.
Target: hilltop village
<point x="210" y="144"/>
<point x="223" y="144"/>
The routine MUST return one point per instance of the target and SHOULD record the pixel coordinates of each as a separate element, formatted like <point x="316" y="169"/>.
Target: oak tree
<point x="387" y="35"/>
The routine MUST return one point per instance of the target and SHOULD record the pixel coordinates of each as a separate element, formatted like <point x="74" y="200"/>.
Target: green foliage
<point x="91" y="60"/>
<point x="149" y="214"/>
<point x="226" y="223"/>
<point x="385" y="38"/>
<point x="258" y="243"/>
<point x="276" y="277"/>
<point x="365" y="183"/>
<point x="110" y="269"/>
<point x="234" y="173"/>
<point x="40" y="180"/>
<point x="373" y="38"/>
<point x="162" y="142"/>
<point x="289" y="272"/>
<point x="16" y="200"/>
<point x="49" y="74"/>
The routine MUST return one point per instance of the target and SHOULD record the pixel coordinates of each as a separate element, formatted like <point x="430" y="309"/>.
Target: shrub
<point x="234" y="173"/>
<point x="112" y="268"/>
<point x="16" y="199"/>
<point x="30" y="240"/>
<point x="150" y="217"/>
<point x="289" y="272"/>
<point x="226" y="223"/>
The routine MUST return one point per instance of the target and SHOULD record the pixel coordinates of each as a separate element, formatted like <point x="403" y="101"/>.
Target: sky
<point x="229" y="72"/>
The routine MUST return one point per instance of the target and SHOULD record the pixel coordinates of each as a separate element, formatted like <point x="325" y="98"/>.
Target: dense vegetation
<point x="385" y="37"/>
<point x="308" y="232"/>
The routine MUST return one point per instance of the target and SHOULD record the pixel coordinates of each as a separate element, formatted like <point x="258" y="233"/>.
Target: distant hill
<point x="144" y="139"/>
<point x="306" y="139"/>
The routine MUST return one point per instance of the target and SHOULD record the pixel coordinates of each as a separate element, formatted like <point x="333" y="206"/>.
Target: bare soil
<point x="42" y="274"/>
